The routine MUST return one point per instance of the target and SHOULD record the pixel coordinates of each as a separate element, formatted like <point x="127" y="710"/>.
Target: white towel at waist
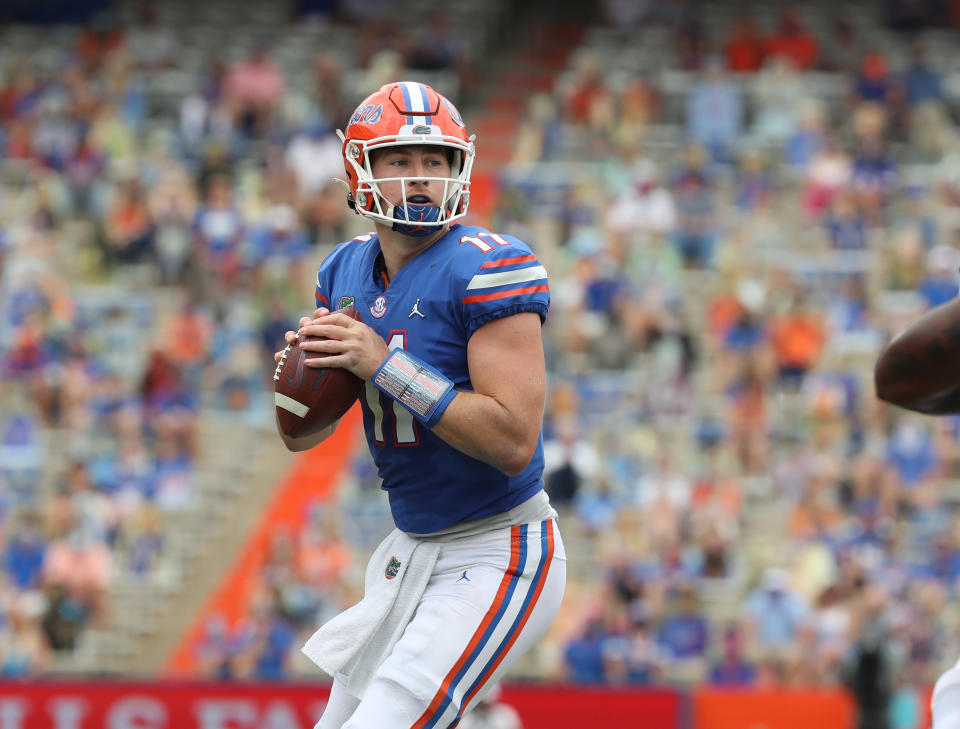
<point x="352" y="645"/>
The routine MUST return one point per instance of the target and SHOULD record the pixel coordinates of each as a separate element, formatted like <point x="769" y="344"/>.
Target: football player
<point x="451" y="351"/>
<point x="918" y="371"/>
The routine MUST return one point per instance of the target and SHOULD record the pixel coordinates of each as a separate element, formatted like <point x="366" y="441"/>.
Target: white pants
<point x="945" y="703"/>
<point x="489" y="599"/>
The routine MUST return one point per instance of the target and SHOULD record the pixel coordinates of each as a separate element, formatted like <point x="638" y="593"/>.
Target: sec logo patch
<point x="379" y="307"/>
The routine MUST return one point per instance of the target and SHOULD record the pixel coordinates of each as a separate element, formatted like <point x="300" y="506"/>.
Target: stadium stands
<point x="734" y="217"/>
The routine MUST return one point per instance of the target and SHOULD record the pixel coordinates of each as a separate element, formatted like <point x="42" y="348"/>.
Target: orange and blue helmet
<point x="407" y="113"/>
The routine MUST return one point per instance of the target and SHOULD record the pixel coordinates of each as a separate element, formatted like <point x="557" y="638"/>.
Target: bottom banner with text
<point x="110" y="704"/>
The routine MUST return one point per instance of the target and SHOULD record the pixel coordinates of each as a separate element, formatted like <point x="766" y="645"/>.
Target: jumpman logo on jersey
<point x="464" y="577"/>
<point x="416" y="310"/>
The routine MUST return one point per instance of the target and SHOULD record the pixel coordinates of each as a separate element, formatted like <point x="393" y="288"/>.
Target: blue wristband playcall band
<point x="415" y="385"/>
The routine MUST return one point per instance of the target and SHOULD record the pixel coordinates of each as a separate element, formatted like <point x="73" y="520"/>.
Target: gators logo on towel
<point x="393" y="569"/>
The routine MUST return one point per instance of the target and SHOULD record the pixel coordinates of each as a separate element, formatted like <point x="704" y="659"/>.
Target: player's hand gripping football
<point x="350" y="344"/>
<point x="291" y="336"/>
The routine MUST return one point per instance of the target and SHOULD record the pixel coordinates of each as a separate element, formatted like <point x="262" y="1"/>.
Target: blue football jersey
<point x="431" y="308"/>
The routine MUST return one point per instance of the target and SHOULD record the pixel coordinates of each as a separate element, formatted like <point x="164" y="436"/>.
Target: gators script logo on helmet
<point x="406" y="113"/>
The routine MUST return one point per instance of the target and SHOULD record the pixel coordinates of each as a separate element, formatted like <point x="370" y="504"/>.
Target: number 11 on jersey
<point x="405" y="432"/>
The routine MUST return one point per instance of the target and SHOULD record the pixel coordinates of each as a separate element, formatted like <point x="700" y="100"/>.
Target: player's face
<point x="412" y="162"/>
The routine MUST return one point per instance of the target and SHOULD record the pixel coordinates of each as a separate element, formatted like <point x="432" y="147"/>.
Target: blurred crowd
<point x="734" y="225"/>
<point x="303" y="580"/>
<point x="154" y="249"/>
<point x="746" y="231"/>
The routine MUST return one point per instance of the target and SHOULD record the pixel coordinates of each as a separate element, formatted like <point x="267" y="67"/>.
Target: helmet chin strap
<point x="410" y="216"/>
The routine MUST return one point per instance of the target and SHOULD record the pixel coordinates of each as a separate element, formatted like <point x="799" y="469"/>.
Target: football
<point x="308" y="399"/>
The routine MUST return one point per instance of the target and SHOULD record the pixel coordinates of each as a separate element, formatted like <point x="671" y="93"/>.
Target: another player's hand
<point x="291" y="337"/>
<point x="354" y="346"/>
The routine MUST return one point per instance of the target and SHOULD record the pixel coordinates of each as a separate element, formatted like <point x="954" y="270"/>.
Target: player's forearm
<point x="484" y="429"/>
<point x="918" y="369"/>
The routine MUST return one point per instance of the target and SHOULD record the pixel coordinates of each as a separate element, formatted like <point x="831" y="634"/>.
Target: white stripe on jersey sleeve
<point x="489" y="280"/>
